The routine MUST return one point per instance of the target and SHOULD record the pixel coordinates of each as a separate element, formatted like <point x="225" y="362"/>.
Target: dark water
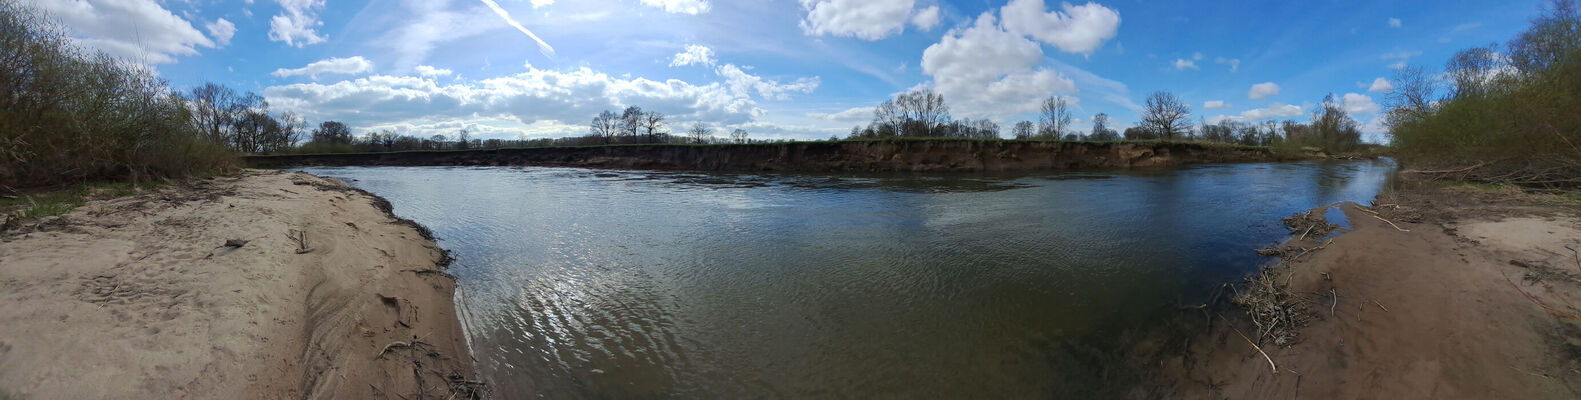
<point x="621" y="284"/>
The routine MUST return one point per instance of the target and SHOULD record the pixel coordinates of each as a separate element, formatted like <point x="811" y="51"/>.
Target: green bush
<point x="68" y="116"/>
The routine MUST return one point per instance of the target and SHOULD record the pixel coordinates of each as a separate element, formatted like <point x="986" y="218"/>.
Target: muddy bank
<point x="1432" y="293"/>
<point x="266" y="285"/>
<point x="856" y="156"/>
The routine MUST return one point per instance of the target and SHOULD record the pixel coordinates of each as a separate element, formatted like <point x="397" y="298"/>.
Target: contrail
<point x="543" y="47"/>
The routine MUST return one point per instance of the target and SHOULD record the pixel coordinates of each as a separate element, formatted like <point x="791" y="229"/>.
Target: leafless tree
<point x="700" y="133"/>
<point x="1054" y="118"/>
<point x="1413" y="96"/>
<point x="631" y="121"/>
<point x="739" y="135"/>
<point x="463" y="139"/>
<point x="1165" y="115"/>
<point x="653" y="123"/>
<point x="605" y="126"/>
<point x="1024" y="130"/>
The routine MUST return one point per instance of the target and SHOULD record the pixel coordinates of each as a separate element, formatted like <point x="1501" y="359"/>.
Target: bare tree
<point x="1165" y="115"/>
<point x="918" y="113"/>
<point x="291" y="128"/>
<point x="1100" y="129"/>
<point x="332" y="132"/>
<point x="739" y="135"/>
<point x="1472" y="71"/>
<point x="463" y="139"/>
<point x="1024" y="130"/>
<point x="700" y="133"/>
<point x="1054" y="118"/>
<point x="1412" y="98"/>
<point x="653" y="123"/>
<point x="631" y="121"/>
<point x="605" y="126"/>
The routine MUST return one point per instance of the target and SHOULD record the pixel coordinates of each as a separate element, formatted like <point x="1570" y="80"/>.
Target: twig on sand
<point x="392" y="345"/>
<point x="1304" y="234"/>
<point x="1380" y="218"/>
<point x="1331" y="305"/>
<point x="1562" y="314"/>
<point x="1380" y="305"/>
<point x="1248" y="340"/>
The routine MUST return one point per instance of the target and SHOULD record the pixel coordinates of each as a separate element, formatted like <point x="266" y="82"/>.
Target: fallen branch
<point x="1333" y="303"/>
<point x="1396" y="227"/>
<point x="1562" y="314"/>
<point x="1380" y="305"/>
<point x="1248" y="340"/>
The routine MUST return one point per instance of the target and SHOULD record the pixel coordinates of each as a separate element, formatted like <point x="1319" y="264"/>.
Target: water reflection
<point x="622" y="284"/>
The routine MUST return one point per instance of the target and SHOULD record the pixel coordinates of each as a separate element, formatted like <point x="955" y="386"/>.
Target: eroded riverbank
<point x="148" y="296"/>
<point x="1432" y="293"/>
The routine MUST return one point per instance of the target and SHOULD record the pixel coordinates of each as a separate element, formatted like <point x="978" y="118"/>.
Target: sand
<point x="1427" y="310"/>
<point x="138" y="297"/>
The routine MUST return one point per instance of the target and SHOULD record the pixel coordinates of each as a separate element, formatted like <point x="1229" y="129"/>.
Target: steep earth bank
<point x="1434" y="293"/>
<point x="897" y="155"/>
<point x="267" y="285"/>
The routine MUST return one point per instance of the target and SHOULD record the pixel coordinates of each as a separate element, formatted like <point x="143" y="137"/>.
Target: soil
<point x="1433" y="293"/>
<point x="266" y="285"/>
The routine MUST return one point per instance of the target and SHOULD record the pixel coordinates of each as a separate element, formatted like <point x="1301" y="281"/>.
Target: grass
<point x="49" y="203"/>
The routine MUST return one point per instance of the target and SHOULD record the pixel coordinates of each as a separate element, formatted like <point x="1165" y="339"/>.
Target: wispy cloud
<point x="543" y="47"/>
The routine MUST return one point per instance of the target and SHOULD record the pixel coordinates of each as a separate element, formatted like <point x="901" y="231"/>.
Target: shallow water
<point x="619" y="284"/>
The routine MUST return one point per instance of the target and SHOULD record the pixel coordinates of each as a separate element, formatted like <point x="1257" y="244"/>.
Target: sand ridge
<point x="139" y="297"/>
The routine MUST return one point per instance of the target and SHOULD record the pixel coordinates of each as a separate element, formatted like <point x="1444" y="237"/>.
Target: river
<point x="635" y="284"/>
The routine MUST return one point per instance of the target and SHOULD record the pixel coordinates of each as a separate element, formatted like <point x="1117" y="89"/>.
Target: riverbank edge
<point x="1235" y="358"/>
<point x="915" y="155"/>
<point x="376" y="315"/>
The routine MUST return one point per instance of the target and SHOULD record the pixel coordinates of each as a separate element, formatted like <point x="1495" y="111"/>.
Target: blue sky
<point x="803" y="69"/>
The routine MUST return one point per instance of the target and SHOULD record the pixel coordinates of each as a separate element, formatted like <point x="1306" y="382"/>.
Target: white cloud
<point x="926" y="19"/>
<point x="1394" y="22"/>
<point x="138" y="30"/>
<point x="851" y="115"/>
<point x="1277" y="110"/>
<point x="985" y="71"/>
<point x="742" y="84"/>
<point x="1262" y="90"/>
<point x="694" y="55"/>
<point x="539" y="102"/>
<point x="1404" y="57"/>
<point x="1234" y="63"/>
<point x="541" y="3"/>
<point x="1078" y="29"/>
<point x="297" y="23"/>
<point x="1381" y="85"/>
<point x="428" y="71"/>
<point x="862" y="19"/>
<point x="1215" y="104"/>
<point x="222" y="31"/>
<point x="1184" y="64"/>
<point x="342" y="66"/>
<point x="1354" y="103"/>
<point x="693" y="7"/>
<point x="543" y="47"/>
<point x="1196" y="56"/>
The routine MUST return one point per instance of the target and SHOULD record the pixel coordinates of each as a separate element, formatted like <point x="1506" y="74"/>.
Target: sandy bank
<point x="140" y="297"/>
<point x="1435" y="294"/>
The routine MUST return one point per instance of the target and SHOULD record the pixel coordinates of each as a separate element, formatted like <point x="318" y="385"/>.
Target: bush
<point x="67" y="115"/>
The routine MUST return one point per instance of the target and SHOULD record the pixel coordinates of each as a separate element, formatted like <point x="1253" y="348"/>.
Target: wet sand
<point x="140" y="297"/>
<point x="1435" y="293"/>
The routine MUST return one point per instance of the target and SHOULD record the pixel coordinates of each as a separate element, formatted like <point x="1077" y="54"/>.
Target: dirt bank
<point x="1435" y="293"/>
<point x="851" y="156"/>
<point x="141" y="297"/>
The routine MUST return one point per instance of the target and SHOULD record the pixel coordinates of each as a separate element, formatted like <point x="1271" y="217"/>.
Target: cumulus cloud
<point x="1073" y="29"/>
<point x="1277" y="110"/>
<point x="1394" y="22"/>
<point x="851" y="115"/>
<point x="1354" y="103"/>
<point x="986" y="71"/>
<point x="139" y="30"/>
<point x="1262" y="90"/>
<point x="742" y="84"/>
<point x="1215" y="104"/>
<point x="926" y="19"/>
<point x="862" y="19"/>
<point x="221" y="30"/>
<point x="297" y="23"/>
<point x="694" y="55"/>
<point x="1184" y="64"/>
<point x="1381" y="85"/>
<point x="428" y="71"/>
<point x="693" y="7"/>
<point x="339" y="66"/>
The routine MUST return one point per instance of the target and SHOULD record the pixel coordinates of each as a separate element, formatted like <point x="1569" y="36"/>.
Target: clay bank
<point x="845" y="156"/>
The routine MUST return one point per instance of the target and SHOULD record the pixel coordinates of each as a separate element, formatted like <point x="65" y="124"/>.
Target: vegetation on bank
<point x="69" y="116"/>
<point x="1503" y="115"/>
<point x="306" y="150"/>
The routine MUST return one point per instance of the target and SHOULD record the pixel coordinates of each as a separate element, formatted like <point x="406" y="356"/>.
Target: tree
<point x="700" y="133"/>
<point x="605" y="126"/>
<point x="653" y="123"/>
<point x="1412" y="98"/>
<point x="1023" y="130"/>
<point x="1165" y="115"/>
<point x="1553" y="36"/>
<point x="1054" y="118"/>
<point x="739" y="135"/>
<point x="1100" y="129"/>
<point x="437" y="142"/>
<point x="463" y="140"/>
<point x="918" y="113"/>
<point x="1332" y="129"/>
<point x="631" y="121"/>
<point x="291" y="127"/>
<point x="333" y="132"/>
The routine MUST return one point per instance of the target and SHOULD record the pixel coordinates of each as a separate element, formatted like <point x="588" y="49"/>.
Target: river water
<point x="632" y="284"/>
